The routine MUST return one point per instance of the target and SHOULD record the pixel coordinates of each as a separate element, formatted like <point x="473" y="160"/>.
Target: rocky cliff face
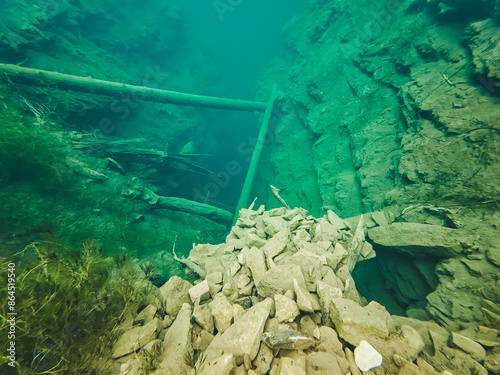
<point x="395" y="104"/>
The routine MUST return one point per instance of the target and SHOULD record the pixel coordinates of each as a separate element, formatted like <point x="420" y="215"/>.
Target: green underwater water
<point x="384" y="106"/>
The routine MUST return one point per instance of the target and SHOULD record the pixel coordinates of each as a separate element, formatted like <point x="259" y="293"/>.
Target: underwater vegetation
<point x="65" y="299"/>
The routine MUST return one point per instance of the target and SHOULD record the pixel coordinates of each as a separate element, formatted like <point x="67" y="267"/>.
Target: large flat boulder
<point x="418" y="239"/>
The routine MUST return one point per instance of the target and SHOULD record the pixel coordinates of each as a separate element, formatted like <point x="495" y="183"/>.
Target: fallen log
<point x="196" y="208"/>
<point x="36" y="77"/>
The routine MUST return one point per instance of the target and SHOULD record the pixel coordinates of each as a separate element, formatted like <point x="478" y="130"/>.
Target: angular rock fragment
<point x="178" y="353"/>
<point x="418" y="239"/>
<point x="175" y="292"/>
<point x="286" y="309"/>
<point x="222" y="311"/>
<point x="279" y="279"/>
<point x="200" y="291"/>
<point x="243" y="337"/>
<point x="134" y="339"/>
<point x="355" y="323"/>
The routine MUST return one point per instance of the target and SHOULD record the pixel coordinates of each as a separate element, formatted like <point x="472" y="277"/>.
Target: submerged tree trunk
<point x="35" y="77"/>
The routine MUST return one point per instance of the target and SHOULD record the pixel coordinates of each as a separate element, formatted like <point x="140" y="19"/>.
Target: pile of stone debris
<point x="278" y="298"/>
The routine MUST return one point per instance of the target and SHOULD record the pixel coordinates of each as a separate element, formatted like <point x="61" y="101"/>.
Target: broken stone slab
<point x="357" y="244"/>
<point x="222" y="365"/>
<point x="295" y="366"/>
<point x="277" y="244"/>
<point x="379" y="218"/>
<point x="146" y="315"/>
<point x="469" y="346"/>
<point x="254" y="259"/>
<point x="339" y="256"/>
<point x="178" y="353"/>
<point x="203" y="316"/>
<point x="264" y="359"/>
<point x="310" y="264"/>
<point x="222" y="311"/>
<point x="252" y="240"/>
<point x="321" y="363"/>
<point x="230" y="264"/>
<point x="487" y="337"/>
<point x="175" y="292"/>
<point x="243" y="337"/>
<point x="279" y="279"/>
<point x="326" y="294"/>
<point x="354" y="323"/>
<point x="423" y="328"/>
<point x="491" y="319"/>
<point x="335" y="220"/>
<point x="419" y="239"/>
<point x="366" y="357"/>
<point x="135" y="338"/>
<point x="290" y="214"/>
<point x="215" y="277"/>
<point x="274" y="225"/>
<point x="286" y="309"/>
<point x="201" y="338"/>
<point x="277" y="211"/>
<point x="200" y="291"/>
<point x="245" y="222"/>
<point x="329" y="341"/>
<point x="324" y="231"/>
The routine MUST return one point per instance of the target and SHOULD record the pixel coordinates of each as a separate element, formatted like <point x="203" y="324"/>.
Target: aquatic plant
<point x="68" y="304"/>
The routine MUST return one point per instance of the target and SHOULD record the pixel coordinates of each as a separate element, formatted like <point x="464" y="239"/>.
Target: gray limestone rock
<point x="279" y="279"/>
<point x="203" y="316"/>
<point x="277" y="243"/>
<point x="222" y="365"/>
<point x="243" y="337"/>
<point x="355" y="323"/>
<point x="146" y="315"/>
<point x="419" y="239"/>
<point x="178" y="353"/>
<point x="135" y="338"/>
<point x="322" y="363"/>
<point x="175" y="292"/>
<point x="222" y="311"/>
<point x="286" y="309"/>
<point x="469" y="346"/>
<point x="254" y="259"/>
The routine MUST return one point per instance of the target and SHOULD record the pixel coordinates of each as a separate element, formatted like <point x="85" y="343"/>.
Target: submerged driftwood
<point x="192" y="207"/>
<point x="36" y="77"/>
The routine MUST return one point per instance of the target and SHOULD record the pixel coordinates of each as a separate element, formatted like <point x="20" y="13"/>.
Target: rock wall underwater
<point x="395" y="106"/>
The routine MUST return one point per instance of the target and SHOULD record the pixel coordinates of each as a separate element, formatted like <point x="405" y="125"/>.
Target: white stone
<point x="366" y="357"/>
<point x="200" y="291"/>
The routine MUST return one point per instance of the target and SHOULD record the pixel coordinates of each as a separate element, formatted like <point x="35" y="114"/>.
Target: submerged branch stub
<point x="36" y="77"/>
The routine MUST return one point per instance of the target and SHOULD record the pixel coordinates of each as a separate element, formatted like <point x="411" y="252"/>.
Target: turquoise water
<point x="241" y="39"/>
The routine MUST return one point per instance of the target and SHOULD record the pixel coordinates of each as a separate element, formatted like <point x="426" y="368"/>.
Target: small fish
<point x="288" y="339"/>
